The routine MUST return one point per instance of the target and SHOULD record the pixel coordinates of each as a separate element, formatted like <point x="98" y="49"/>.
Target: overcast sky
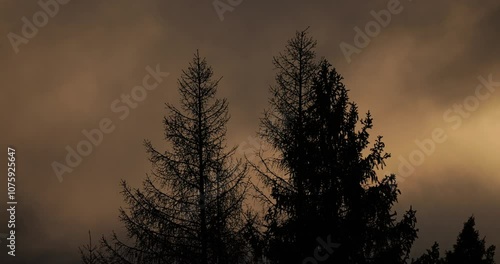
<point x="64" y="79"/>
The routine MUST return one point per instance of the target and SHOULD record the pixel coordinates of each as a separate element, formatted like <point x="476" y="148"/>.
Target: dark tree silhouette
<point x="190" y="209"/>
<point x="284" y="128"/>
<point x="89" y="253"/>
<point x="432" y="256"/>
<point x="345" y="188"/>
<point x="322" y="186"/>
<point x="322" y="195"/>
<point x="469" y="249"/>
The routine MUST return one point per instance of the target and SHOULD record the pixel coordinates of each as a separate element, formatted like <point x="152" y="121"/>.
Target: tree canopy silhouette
<point x="324" y="198"/>
<point x="190" y="208"/>
<point x="322" y="186"/>
<point x="469" y="249"/>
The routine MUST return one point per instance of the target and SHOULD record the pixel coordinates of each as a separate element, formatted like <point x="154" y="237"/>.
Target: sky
<point x="427" y="74"/>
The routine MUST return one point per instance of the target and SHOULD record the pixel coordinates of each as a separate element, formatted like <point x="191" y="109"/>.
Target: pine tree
<point x="469" y="248"/>
<point x="89" y="253"/>
<point x="284" y="128"/>
<point x="432" y="256"/>
<point x="323" y="185"/>
<point x="349" y="200"/>
<point x="190" y="208"/>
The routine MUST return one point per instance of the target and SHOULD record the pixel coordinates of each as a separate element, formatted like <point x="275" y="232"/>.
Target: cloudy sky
<point x="419" y="75"/>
